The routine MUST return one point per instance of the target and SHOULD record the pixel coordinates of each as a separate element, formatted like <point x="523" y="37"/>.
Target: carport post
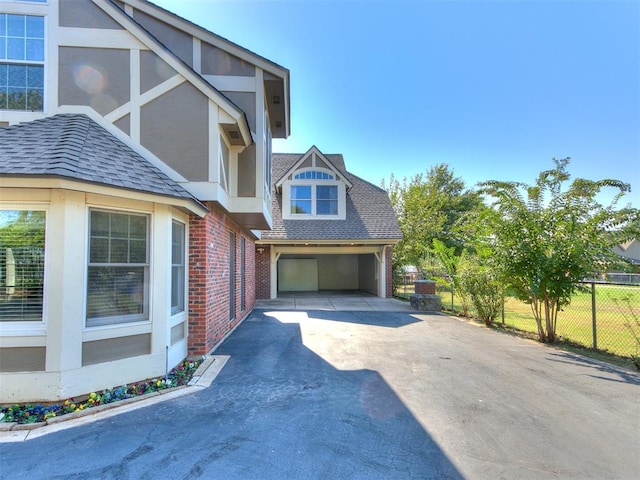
<point x="273" y="272"/>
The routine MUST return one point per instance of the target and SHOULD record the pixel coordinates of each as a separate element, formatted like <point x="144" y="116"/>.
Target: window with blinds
<point x="117" y="278"/>
<point x="22" y="243"/>
<point x="178" y="267"/>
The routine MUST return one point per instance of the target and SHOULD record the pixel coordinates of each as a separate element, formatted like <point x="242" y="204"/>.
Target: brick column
<point x="425" y="287"/>
<point x="263" y="271"/>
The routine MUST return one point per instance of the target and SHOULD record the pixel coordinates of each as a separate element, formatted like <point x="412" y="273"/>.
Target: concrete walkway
<point x="335" y="302"/>
<point x="365" y="395"/>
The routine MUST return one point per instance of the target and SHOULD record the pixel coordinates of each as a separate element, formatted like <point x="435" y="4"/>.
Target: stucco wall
<point x="175" y="127"/>
<point x="247" y="169"/>
<point x="181" y="42"/>
<point x="97" y="77"/>
<point x="247" y="103"/>
<point x="153" y="70"/>
<point x="85" y="14"/>
<point x="218" y="62"/>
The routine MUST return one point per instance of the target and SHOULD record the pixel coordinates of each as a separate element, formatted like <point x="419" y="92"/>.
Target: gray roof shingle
<point x="74" y="146"/>
<point x="369" y="212"/>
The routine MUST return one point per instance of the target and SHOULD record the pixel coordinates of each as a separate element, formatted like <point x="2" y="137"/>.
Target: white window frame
<point x="125" y="320"/>
<point x="313" y="183"/>
<point x="43" y="63"/>
<point x="38" y="327"/>
<point x="185" y="266"/>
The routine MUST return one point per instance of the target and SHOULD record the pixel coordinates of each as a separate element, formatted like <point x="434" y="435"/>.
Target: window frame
<point x="26" y="62"/>
<point x="31" y="327"/>
<point x="177" y="310"/>
<point x="314" y="183"/>
<point x="120" y="320"/>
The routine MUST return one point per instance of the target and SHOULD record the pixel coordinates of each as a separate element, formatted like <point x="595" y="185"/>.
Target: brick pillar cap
<point x="425" y="281"/>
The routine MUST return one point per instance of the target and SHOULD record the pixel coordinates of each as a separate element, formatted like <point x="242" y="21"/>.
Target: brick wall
<point x="263" y="272"/>
<point x="209" y="284"/>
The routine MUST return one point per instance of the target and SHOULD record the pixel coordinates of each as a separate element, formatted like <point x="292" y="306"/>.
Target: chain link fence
<point x="601" y="316"/>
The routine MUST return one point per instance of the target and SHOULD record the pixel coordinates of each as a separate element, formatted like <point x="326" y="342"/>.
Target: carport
<point x="328" y="268"/>
<point x="331" y="230"/>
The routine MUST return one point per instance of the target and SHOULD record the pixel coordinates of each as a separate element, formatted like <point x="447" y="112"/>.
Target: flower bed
<point x="34" y="413"/>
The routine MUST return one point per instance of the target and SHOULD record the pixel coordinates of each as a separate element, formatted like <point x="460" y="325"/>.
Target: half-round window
<point x="313" y="175"/>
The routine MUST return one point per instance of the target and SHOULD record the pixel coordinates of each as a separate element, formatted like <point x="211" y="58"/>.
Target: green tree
<point x="429" y="206"/>
<point x="548" y="237"/>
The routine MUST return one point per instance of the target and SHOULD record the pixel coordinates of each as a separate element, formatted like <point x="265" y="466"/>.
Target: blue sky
<point x="495" y="89"/>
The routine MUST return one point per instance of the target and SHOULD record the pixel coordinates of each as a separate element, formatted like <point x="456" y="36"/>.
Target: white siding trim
<point x="98" y="38"/>
<point x="197" y="55"/>
<point x="134" y="117"/>
<point x="231" y="83"/>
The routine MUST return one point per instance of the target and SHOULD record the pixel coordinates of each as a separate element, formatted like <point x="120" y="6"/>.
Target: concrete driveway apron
<point x="324" y="394"/>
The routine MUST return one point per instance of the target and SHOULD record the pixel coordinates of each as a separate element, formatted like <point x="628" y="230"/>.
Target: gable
<point x="368" y="216"/>
<point x="219" y="61"/>
<point x="313" y="159"/>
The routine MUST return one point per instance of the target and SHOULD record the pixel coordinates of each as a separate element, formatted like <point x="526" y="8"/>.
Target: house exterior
<point x="630" y="250"/>
<point x="135" y="178"/>
<point x="331" y="230"/>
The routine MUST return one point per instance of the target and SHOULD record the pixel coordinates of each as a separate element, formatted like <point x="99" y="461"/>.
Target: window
<point x="314" y="175"/>
<point x="267" y="157"/>
<point x="22" y="240"/>
<point x="177" y="267"/>
<point x="314" y="199"/>
<point x="118" y="271"/>
<point x="301" y="199"/>
<point x="232" y="275"/>
<point x="21" y="62"/>
<point x="242" y="275"/>
<point x="326" y="200"/>
<point x="224" y="165"/>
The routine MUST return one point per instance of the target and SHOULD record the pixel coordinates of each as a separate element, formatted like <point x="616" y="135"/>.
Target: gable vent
<point x="276" y="99"/>
<point x="234" y="134"/>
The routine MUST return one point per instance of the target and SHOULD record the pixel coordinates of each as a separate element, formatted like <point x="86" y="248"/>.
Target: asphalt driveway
<point x="365" y="395"/>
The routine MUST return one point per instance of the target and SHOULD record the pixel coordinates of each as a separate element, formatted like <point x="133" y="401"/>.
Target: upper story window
<point x="22" y="241"/>
<point x="313" y="175"/>
<point x="314" y="193"/>
<point x="21" y="62"/>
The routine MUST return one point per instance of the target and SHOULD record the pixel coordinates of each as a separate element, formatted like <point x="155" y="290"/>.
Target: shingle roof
<point x="369" y="212"/>
<point x="74" y="146"/>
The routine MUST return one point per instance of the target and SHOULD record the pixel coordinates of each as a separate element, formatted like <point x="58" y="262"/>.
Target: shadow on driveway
<point x="277" y="410"/>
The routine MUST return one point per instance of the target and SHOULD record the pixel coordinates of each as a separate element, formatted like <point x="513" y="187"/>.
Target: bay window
<point x="177" y="267"/>
<point x="22" y="243"/>
<point x="118" y="270"/>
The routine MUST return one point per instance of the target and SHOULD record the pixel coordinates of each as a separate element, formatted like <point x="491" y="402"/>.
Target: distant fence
<point x="602" y="316"/>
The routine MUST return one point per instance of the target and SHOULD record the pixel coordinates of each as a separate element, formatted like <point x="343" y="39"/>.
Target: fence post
<point x="503" y="308"/>
<point x="593" y="315"/>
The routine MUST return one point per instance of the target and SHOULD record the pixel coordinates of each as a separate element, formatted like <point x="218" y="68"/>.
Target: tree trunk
<point x="537" y="314"/>
<point x="548" y="318"/>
